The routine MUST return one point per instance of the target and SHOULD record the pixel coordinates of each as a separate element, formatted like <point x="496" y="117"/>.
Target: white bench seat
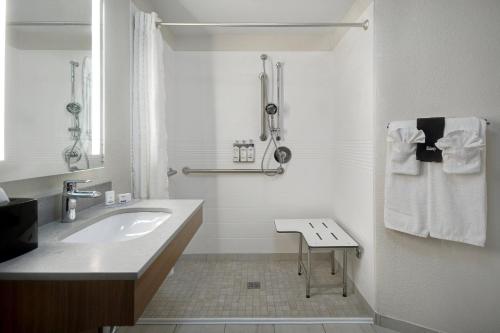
<point x="323" y="233"/>
<point x="318" y="233"/>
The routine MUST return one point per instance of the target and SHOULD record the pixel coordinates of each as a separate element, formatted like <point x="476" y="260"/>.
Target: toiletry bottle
<point x="251" y="152"/>
<point x="236" y="151"/>
<point x="243" y="152"/>
<point x="109" y="197"/>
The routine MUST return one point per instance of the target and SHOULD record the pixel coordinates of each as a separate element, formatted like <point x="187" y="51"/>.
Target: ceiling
<point x="281" y="11"/>
<point x="252" y="10"/>
<point x="49" y="10"/>
<point x="49" y="37"/>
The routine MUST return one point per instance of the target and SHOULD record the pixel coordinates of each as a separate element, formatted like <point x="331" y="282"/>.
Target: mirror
<point x="53" y="115"/>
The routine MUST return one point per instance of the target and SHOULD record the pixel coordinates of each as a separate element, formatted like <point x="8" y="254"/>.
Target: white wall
<point x="117" y="104"/>
<point x="438" y="58"/>
<point x="352" y="162"/>
<point x="217" y="101"/>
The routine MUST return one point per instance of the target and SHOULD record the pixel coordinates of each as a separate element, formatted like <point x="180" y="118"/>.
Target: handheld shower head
<point x="73" y="108"/>
<point x="271" y="109"/>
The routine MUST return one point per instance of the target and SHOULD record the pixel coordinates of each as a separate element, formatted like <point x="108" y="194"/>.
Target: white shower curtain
<point x="149" y="130"/>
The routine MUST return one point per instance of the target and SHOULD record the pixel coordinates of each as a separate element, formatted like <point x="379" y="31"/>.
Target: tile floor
<point x="215" y="286"/>
<point x="316" y="328"/>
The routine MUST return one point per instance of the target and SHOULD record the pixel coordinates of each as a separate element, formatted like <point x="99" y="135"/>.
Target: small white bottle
<point x="243" y="152"/>
<point x="109" y="197"/>
<point x="251" y="152"/>
<point x="236" y="151"/>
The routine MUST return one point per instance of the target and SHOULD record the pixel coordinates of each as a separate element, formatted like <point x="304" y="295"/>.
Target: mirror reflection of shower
<point x="79" y="130"/>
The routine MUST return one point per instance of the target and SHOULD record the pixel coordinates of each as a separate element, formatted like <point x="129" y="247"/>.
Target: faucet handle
<point x="77" y="181"/>
<point x="71" y="184"/>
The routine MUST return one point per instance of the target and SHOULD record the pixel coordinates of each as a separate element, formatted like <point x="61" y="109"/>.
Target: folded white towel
<point x="3" y="196"/>
<point x="461" y="152"/>
<point x="403" y="147"/>
<point x="405" y="206"/>
<point x="457" y="202"/>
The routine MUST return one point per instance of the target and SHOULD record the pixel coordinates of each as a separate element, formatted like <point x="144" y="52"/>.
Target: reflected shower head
<point x="74" y="108"/>
<point x="271" y="109"/>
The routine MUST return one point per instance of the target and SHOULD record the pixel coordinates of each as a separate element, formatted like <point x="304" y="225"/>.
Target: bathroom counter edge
<point x="55" y="260"/>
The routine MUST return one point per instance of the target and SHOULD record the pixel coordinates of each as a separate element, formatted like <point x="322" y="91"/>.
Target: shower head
<point x="271" y="109"/>
<point x="263" y="57"/>
<point x="74" y="108"/>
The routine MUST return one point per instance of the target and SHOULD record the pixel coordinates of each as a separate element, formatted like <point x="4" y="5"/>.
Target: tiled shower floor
<point x="215" y="286"/>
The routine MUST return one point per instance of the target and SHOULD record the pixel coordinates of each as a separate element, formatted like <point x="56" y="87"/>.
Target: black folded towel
<point x="433" y="129"/>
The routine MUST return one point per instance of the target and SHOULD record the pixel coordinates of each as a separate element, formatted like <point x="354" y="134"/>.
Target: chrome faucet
<point x="69" y="196"/>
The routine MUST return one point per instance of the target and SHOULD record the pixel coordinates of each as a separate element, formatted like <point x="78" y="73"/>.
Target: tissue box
<point x="18" y="227"/>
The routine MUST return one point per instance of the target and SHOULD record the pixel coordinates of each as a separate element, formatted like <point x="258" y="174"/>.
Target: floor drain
<point x="253" y="285"/>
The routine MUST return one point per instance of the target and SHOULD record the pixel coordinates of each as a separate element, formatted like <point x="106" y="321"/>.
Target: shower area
<point x="263" y="123"/>
<point x="79" y="107"/>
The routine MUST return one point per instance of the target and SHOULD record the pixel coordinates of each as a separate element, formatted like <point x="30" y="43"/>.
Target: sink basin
<point x="119" y="227"/>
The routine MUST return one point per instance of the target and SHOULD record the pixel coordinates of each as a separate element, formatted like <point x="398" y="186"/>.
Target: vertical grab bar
<point x="263" y="99"/>
<point x="263" y="103"/>
<point x="279" y="97"/>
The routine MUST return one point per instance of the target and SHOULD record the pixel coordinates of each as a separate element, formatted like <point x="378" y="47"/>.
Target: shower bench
<point x="319" y="234"/>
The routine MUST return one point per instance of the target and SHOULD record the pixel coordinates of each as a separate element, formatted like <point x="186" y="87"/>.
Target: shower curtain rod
<point x="363" y="25"/>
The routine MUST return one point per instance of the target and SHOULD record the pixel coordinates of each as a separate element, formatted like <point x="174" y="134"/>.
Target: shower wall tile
<point x="217" y="101"/>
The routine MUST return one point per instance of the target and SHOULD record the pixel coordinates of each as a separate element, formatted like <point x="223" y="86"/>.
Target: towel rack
<point x="486" y="120"/>
<point x="277" y="171"/>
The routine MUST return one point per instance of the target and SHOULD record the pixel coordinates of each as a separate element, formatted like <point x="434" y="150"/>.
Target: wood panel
<point x="152" y="279"/>
<point x="63" y="306"/>
<point x="75" y="306"/>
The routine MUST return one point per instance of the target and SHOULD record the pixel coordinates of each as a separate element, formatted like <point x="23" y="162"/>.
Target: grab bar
<point x="171" y="172"/>
<point x="263" y="98"/>
<point x="277" y="171"/>
<point x="263" y="103"/>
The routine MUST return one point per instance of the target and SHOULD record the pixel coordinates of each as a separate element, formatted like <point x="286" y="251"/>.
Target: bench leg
<point x="308" y="273"/>
<point x="300" y="254"/>
<point x="333" y="261"/>
<point x="344" y="275"/>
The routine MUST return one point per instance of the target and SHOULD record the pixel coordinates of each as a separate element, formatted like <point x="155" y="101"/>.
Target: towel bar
<point x="486" y="120"/>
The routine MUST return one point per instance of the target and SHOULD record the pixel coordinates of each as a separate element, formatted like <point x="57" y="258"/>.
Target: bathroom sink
<point x="119" y="227"/>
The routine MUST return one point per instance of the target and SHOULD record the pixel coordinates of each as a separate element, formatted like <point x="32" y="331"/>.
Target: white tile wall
<point x="217" y="101"/>
<point x="352" y="199"/>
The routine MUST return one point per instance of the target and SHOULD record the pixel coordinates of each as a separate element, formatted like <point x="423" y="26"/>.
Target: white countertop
<point x="126" y="260"/>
